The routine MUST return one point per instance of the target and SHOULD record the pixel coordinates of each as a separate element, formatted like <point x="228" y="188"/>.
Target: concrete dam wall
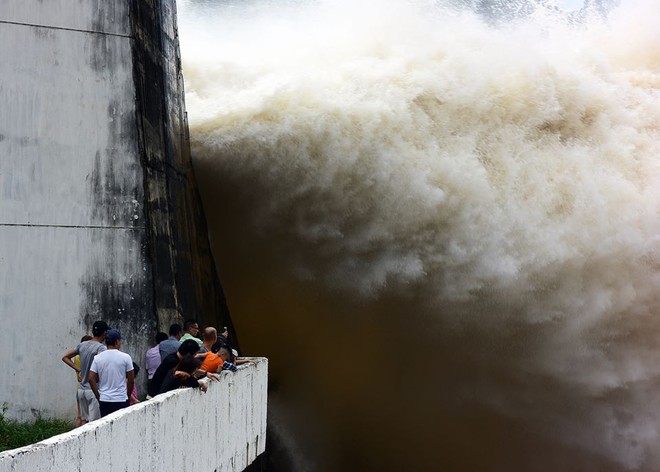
<point x="99" y="212"/>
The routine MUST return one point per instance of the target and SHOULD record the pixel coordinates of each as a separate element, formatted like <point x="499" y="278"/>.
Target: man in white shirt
<point x="111" y="375"/>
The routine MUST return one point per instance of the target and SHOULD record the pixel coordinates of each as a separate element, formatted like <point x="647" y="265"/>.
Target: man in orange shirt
<point x="216" y="363"/>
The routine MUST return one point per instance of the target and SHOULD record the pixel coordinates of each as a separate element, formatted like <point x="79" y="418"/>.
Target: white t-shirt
<point x="111" y="367"/>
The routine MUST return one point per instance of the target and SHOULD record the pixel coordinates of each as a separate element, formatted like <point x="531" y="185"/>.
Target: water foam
<point x="501" y="183"/>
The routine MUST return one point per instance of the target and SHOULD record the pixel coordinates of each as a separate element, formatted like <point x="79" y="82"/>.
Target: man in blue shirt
<point x="171" y="344"/>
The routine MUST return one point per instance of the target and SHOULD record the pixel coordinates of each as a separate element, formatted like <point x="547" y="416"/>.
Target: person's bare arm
<point x="244" y="361"/>
<point x="93" y="378"/>
<point x="181" y="375"/>
<point x="66" y="358"/>
<point x="130" y="381"/>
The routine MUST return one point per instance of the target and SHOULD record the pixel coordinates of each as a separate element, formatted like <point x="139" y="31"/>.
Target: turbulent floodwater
<point x="440" y="223"/>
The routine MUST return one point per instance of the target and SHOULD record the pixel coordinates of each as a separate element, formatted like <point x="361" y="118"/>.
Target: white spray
<point x="500" y="180"/>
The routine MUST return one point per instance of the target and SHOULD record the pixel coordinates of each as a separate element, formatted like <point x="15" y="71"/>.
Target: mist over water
<point x="440" y="221"/>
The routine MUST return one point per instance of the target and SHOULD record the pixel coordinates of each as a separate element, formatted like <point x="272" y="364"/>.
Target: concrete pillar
<point x="99" y="212"/>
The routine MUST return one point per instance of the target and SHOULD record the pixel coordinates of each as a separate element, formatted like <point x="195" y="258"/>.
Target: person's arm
<point x="67" y="359"/>
<point x="93" y="378"/>
<point x="192" y="382"/>
<point x="181" y="375"/>
<point x="130" y="381"/>
<point x="244" y="361"/>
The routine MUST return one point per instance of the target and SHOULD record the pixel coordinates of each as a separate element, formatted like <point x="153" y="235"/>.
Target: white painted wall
<point x="223" y="430"/>
<point x="88" y="15"/>
<point x="71" y="192"/>
<point x="67" y="127"/>
<point x="39" y="296"/>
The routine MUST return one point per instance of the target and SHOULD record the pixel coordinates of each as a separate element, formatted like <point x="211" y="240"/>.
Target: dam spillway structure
<point x="100" y="216"/>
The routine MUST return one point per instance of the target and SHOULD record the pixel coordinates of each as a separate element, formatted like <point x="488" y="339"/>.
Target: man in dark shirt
<point x="187" y="348"/>
<point x="185" y="376"/>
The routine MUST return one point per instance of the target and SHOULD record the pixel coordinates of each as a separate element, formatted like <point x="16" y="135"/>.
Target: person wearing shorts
<point x="87" y="350"/>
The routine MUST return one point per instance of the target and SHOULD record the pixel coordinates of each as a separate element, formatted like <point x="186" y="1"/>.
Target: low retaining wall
<point x="223" y="430"/>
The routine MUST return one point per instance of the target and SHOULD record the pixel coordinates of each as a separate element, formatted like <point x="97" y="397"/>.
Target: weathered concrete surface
<point x="84" y="15"/>
<point x="68" y="127"/>
<point x="178" y="232"/>
<point x="41" y="289"/>
<point x="99" y="213"/>
<point x="184" y="430"/>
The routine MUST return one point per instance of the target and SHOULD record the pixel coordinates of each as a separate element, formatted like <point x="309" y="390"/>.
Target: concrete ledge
<point x="223" y="430"/>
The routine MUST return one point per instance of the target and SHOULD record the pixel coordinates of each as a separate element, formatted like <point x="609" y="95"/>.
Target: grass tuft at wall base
<point x="14" y="434"/>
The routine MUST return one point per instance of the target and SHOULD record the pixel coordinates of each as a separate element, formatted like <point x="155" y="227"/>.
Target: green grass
<point x="15" y="434"/>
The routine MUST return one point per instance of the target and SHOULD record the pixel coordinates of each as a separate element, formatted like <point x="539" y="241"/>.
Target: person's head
<point x="224" y="353"/>
<point x="210" y="335"/>
<point x="176" y="331"/>
<point x="191" y="326"/>
<point x="188" y="364"/>
<point x="136" y="369"/>
<point x="188" y="348"/>
<point x="99" y="328"/>
<point x="86" y="337"/>
<point x="113" y="338"/>
<point x="160" y="337"/>
<point x="217" y="345"/>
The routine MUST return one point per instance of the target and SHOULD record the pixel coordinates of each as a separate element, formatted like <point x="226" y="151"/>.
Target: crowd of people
<point x="106" y="375"/>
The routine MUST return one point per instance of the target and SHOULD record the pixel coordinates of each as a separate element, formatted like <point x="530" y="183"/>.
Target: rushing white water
<point x="465" y="211"/>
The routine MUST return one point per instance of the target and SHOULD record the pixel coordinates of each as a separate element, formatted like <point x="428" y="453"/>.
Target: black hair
<point x="189" y="323"/>
<point x="188" y="348"/>
<point x="160" y="337"/>
<point x="99" y="327"/>
<point x="188" y="364"/>
<point x="86" y="337"/>
<point x="175" y="329"/>
<point x="136" y="369"/>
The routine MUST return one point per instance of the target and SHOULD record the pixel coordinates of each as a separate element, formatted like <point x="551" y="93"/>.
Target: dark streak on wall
<point x="117" y="294"/>
<point x="114" y="196"/>
<point x="185" y="282"/>
<point x="168" y="274"/>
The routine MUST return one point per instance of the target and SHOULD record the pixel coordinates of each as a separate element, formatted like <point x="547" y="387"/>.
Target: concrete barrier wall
<point x="223" y="430"/>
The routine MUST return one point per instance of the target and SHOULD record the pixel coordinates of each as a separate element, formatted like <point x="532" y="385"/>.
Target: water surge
<point x="440" y="223"/>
